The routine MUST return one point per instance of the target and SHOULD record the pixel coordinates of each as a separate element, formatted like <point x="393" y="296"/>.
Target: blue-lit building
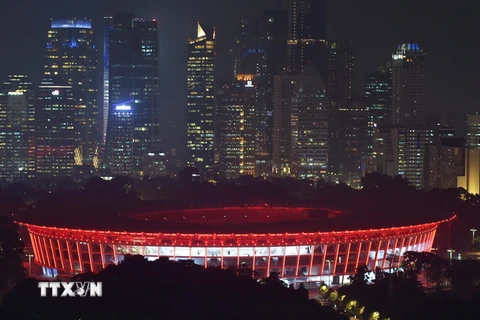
<point x="121" y="136"/>
<point x="133" y="76"/>
<point x="71" y="55"/>
<point x="108" y="26"/>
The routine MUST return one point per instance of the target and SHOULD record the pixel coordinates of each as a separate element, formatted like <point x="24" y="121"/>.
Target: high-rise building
<point x="71" y="55"/>
<point x="408" y="86"/>
<point x="121" y="132"/>
<point x="386" y="149"/>
<point x="17" y="129"/>
<point x="413" y="156"/>
<point x="446" y="162"/>
<point x="472" y="130"/>
<point x="339" y="91"/>
<point x="284" y="91"/>
<point x="201" y="99"/>
<point x="235" y="127"/>
<point x="310" y="126"/>
<point x="55" y="128"/>
<point x="306" y="35"/>
<point x="378" y="105"/>
<point x="107" y="28"/>
<point x="352" y="142"/>
<point x="273" y="43"/>
<point x="134" y="81"/>
<point x="408" y="110"/>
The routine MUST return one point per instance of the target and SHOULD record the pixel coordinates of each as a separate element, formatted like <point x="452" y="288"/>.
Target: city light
<point x="123" y="108"/>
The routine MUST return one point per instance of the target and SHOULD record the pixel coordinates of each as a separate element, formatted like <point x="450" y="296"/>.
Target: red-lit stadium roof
<point x="240" y="220"/>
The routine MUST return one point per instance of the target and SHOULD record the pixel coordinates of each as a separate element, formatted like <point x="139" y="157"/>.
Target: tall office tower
<point x="378" y="105"/>
<point x="121" y="127"/>
<point x="134" y="81"/>
<point x="273" y="31"/>
<point x="472" y="130"/>
<point x="247" y="50"/>
<point x="446" y="162"/>
<point x="71" y="54"/>
<point x="306" y="40"/>
<point x="235" y="127"/>
<point x="413" y="154"/>
<point x="201" y="99"/>
<point x="284" y="92"/>
<point x="386" y="149"/>
<point x="107" y="28"/>
<point x="310" y="126"/>
<point x="352" y="138"/>
<point x="408" y="110"/>
<point x="408" y="86"/>
<point x="55" y="128"/>
<point x="339" y="91"/>
<point x="17" y="129"/>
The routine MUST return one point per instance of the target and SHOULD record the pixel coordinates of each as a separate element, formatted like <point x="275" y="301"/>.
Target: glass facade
<point x="71" y="55"/>
<point x="201" y="100"/>
<point x="55" y="129"/>
<point x="134" y="77"/>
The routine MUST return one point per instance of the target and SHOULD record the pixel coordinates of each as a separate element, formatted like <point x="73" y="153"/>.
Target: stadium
<point x="301" y="244"/>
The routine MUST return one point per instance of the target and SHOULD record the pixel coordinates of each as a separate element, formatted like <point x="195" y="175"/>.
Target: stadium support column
<point x="60" y="250"/>
<point x="347" y="258"/>
<point x="357" y="259"/>
<point x="102" y="254"/>
<point x="79" y="253"/>
<point x="52" y="249"/>
<point x="69" y="250"/>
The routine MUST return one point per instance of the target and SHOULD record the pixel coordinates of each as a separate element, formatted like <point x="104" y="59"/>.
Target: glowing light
<point x="55" y="93"/>
<point x="123" y="108"/>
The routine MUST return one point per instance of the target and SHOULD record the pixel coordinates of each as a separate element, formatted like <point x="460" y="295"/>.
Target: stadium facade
<point x="231" y="237"/>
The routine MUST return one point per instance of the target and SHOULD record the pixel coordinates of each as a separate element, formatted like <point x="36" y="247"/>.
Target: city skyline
<point x="358" y="23"/>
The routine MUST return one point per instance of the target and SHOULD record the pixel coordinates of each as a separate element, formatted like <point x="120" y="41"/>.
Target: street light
<point x="451" y="251"/>
<point x="30" y="256"/>
<point x="473" y="239"/>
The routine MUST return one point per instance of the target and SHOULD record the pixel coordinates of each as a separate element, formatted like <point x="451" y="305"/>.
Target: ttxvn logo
<point x="71" y="289"/>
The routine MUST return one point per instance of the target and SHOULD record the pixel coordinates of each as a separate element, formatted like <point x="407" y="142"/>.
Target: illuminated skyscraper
<point x="17" y="129"/>
<point x="55" y="128"/>
<point x="408" y="110"/>
<point x="306" y="39"/>
<point x="134" y="81"/>
<point x="310" y="126"/>
<point x="108" y="26"/>
<point x="339" y="91"/>
<point x="121" y="135"/>
<point x="235" y="127"/>
<point x="71" y="55"/>
<point x="473" y="130"/>
<point x="408" y="80"/>
<point x="201" y="99"/>
<point x="378" y="104"/>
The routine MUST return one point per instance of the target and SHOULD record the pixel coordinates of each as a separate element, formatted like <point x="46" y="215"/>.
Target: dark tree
<point x="11" y="252"/>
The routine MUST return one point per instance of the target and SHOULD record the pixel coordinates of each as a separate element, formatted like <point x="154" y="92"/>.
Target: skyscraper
<point x="284" y="92"/>
<point x="307" y="35"/>
<point x="107" y="28"/>
<point x="134" y="81"/>
<point x="339" y="90"/>
<point x="17" y="129"/>
<point x="55" y="128"/>
<point x="473" y="131"/>
<point x="378" y="104"/>
<point x="310" y="121"/>
<point x="201" y="99"/>
<point x="235" y="127"/>
<point x="408" y="80"/>
<point x="408" y="110"/>
<point x="121" y="148"/>
<point x="71" y="55"/>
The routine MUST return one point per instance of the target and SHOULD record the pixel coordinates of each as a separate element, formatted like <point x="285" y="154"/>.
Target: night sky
<point x="447" y="31"/>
